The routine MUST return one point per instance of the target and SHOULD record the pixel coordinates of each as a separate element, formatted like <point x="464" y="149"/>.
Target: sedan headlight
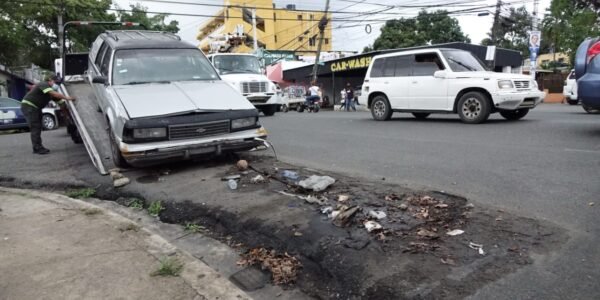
<point x="149" y="133"/>
<point x="243" y="123"/>
<point x="505" y="84"/>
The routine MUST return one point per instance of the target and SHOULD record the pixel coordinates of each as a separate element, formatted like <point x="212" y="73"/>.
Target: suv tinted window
<point x="402" y="65"/>
<point x="426" y="64"/>
<point x="377" y="69"/>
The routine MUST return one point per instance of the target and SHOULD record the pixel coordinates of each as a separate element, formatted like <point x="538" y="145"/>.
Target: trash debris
<point x="455" y="232"/>
<point x="258" y="179"/>
<point x="343" y="198"/>
<point x="317" y="183"/>
<point x="591" y="204"/>
<point x="403" y="206"/>
<point x="477" y="247"/>
<point x="283" y="267"/>
<point x="327" y="210"/>
<point x="121" y="182"/>
<point x="232" y="184"/>
<point x="290" y="174"/>
<point x="377" y="214"/>
<point x="469" y="206"/>
<point x="422" y="214"/>
<point x="242" y="165"/>
<point x="427" y="233"/>
<point x="297" y="233"/>
<point x="116" y="175"/>
<point x="499" y="218"/>
<point x="344" y="216"/>
<point x="314" y="200"/>
<point x="231" y="177"/>
<point x="441" y="205"/>
<point x="372" y="226"/>
<point x="392" y="197"/>
<point x="448" y="261"/>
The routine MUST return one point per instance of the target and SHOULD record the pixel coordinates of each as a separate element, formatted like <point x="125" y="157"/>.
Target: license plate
<point x="204" y="150"/>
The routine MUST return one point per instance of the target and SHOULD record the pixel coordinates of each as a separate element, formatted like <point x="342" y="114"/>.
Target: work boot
<point x="41" y="151"/>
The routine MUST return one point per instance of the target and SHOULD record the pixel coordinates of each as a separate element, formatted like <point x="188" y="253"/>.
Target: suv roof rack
<point x="114" y="34"/>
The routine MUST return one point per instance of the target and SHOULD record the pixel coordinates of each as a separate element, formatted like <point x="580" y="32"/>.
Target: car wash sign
<point x="351" y="64"/>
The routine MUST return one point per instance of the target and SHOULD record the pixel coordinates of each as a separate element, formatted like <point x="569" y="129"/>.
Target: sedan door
<point x="426" y="91"/>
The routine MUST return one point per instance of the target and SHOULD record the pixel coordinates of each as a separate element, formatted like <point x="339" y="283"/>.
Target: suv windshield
<point x="228" y="64"/>
<point x="137" y="66"/>
<point x="462" y="61"/>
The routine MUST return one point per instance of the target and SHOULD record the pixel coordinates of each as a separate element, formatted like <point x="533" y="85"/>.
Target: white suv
<point x="429" y="81"/>
<point x="570" y="89"/>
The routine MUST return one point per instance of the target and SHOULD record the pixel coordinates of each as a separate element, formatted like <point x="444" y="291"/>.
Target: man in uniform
<point x="32" y="105"/>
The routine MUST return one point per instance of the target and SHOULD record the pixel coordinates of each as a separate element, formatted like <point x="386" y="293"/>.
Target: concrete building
<point x="276" y="28"/>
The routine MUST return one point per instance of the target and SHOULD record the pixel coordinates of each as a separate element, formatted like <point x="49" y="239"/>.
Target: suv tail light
<point x="593" y="51"/>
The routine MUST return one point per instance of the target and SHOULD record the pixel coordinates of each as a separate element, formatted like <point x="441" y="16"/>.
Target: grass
<point x="155" y="208"/>
<point x="91" y="211"/>
<point x="136" y="203"/>
<point x="81" y="193"/>
<point x="195" y="228"/>
<point x="169" y="266"/>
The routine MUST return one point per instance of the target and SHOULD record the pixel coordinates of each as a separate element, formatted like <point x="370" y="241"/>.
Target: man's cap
<point x="50" y="76"/>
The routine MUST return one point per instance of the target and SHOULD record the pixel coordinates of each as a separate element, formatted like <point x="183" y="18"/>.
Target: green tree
<point x="427" y="28"/>
<point x="138" y="13"/>
<point x="512" y="32"/>
<point x="566" y="24"/>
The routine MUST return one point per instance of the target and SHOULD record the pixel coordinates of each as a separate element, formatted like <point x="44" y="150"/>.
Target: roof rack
<point x="112" y="35"/>
<point x="172" y="35"/>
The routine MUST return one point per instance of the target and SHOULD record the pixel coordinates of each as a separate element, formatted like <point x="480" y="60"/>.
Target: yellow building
<point x="276" y="28"/>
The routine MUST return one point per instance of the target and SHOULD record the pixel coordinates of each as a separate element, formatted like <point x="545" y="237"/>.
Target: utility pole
<point x="254" y="38"/>
<point x="322" y="25"/>
<point x="536" y="6"/>
<point x="495" y="31"/>
<point x="61" y="32"/>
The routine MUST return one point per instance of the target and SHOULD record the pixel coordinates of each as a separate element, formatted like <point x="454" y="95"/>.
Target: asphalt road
<point x="546" y="166"/>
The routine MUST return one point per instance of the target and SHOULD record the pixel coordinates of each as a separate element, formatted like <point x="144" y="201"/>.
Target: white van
<point x="429" y="81"/>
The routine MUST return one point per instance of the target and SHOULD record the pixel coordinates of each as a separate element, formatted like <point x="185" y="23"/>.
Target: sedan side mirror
<point x="440" y="74"/>
<point x="100" y="79"/>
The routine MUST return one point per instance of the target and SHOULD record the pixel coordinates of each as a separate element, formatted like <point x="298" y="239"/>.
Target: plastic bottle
<point x="232" y="184"/>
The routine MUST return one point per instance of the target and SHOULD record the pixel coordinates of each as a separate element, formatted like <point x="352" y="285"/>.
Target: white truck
<point x="245" y="74"/>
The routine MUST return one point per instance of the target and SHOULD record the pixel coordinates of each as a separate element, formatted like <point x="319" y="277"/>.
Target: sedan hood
<point x="156" y="99"/>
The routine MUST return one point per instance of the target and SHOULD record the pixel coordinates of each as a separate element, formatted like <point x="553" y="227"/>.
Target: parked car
<point x="245" y="74"/>
<point x="570" y="89"/>
<point x="587" y="73"/>
<point x="429" y="81"/>
<point x="11" y="116"/>
<point x="293" y="97"/>
<point x="163" y="100"/>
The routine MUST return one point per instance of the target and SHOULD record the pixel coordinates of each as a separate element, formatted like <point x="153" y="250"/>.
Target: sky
<point x="354" y="37"/>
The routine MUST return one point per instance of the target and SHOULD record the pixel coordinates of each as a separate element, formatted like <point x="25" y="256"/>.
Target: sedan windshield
<point x="139" y="66"/>
<point x="229" y="64"/>
<point x="462" y="61"/>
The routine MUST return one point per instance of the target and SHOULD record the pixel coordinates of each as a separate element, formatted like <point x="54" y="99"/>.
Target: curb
<point x="204" y="280"/>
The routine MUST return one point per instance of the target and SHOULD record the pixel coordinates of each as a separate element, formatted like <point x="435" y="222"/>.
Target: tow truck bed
<point x="90" y="124"/>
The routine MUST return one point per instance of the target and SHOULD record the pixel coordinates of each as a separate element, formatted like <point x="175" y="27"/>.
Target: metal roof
<point x="143" y="39"/>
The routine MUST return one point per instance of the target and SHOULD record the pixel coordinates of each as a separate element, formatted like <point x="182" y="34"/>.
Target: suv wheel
<point x="116" y="153"/>
<point x="421" y="116"/>
<point x="381" y="109"/>
<point x="474" y="108"/>
<point x="514" y="114"/>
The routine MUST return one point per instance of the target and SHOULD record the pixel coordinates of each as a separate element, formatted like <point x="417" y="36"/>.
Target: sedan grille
<point x="522" y="84"/>
<point x="254" y="87"/>
<point x="190" y="131"/>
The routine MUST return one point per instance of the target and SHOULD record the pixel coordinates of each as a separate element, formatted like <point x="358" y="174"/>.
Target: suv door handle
<point x="414" y="82"/>
<point x="385" y="82"/>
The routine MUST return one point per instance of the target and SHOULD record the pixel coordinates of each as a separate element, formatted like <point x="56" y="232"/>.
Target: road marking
<point x="582" y="151"/>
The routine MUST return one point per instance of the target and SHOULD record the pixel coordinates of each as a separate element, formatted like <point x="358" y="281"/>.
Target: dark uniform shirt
<point x="39" y="95"/>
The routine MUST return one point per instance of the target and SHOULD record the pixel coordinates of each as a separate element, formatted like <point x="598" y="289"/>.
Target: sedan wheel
<point x="48" y="122"/>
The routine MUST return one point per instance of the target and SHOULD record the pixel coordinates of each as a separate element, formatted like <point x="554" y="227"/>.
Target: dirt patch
<point x="411" y="256"/>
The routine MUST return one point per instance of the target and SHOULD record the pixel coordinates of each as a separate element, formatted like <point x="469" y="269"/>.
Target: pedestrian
<point x="32" y="105"/>
<point x="349" y="97"/>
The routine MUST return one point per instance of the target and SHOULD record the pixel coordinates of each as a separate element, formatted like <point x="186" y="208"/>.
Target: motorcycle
<point x="310" y="105"/>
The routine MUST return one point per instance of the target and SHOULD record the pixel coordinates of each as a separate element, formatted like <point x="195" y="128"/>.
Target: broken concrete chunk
<point x="116" y="175"/>
<point x="317" y="183"/>
<point x="427" y="233"/>
<point x="121" y="182"/>
<point x="343" y="198"/>
<point x="403" y="206"/>
<point x="377" y="214"/>
<point x="372" y="226"/>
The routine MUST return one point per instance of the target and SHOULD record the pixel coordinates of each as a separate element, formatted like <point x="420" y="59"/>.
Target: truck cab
<point x="245" y="73"/>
